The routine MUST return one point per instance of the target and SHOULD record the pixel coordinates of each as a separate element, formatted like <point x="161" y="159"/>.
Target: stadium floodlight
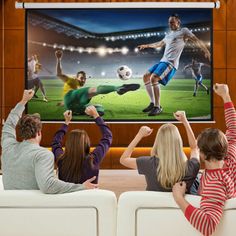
<point x="101" y="51"/>
<point x="124" y="50"/>
<point x="110" y="50"/>
<point x="80" y="50"/>
<point x="70" y="5"/>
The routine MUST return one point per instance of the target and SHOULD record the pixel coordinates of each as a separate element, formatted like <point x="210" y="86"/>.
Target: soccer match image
<point x="131" y="64"/>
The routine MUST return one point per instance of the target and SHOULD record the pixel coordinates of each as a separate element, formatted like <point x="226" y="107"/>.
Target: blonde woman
<point x="167" y="163"/>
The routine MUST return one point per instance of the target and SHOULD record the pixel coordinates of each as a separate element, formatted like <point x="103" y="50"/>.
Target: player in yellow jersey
<point x="77" y="97"/>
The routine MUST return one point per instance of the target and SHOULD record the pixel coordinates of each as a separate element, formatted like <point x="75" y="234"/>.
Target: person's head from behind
<point x="212" y="144"/>
<point x="81" y="77"/>
<point x="168" y="147"/>
<point x="174" y="22"/>
<point x="30" y="127"/>
<point x="77" y="148"/>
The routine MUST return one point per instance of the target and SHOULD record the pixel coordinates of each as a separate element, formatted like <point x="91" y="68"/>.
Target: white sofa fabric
<point x="32" y="213"/>
<point x="156" y="213"/>
<point x="95" y="213"/>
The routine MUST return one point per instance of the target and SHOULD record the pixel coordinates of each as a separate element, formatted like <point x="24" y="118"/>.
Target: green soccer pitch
<point x="177" y="95"/>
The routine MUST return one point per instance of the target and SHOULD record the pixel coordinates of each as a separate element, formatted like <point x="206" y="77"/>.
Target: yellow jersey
<point x="70" y="84"/>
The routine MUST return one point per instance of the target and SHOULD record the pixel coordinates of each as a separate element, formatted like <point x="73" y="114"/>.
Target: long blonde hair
<point x="168" y="147"/>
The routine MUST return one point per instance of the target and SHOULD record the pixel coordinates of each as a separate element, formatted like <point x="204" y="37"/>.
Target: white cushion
<point x="156" y="213"/>
<point x="32" y="213"/>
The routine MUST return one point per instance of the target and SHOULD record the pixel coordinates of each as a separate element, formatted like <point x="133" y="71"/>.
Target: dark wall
<point x="12" y="71"/>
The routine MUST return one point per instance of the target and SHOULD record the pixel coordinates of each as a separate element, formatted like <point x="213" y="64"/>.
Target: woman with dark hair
<point x="77" y="163"/>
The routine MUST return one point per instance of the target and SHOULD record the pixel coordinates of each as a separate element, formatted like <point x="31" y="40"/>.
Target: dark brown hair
<point x="29" y="126"/>
<point x="81" y="72"/>
<point x="213" y="144"/>
<point x="77" y="148"/>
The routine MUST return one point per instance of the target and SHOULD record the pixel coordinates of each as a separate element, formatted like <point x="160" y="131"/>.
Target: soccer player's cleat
<point x="127" y="87"/>
<point x="35" y="96"/>
<point x="208" y="91"/>
<point x="149" y="107"/>
<point x="194" y="94"/>
<point x="155" y="111"/>
<point x="45" y="99"/>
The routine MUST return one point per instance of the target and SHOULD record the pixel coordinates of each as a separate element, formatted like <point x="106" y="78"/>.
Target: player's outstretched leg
<point x="127" y="87"/>
<point x="205" y="87"/>
<point x="104" y="89"/>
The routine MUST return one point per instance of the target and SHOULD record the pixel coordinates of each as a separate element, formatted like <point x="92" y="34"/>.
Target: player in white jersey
<point x="33" y="78"/>
<point x="162" y="72"/>
<point x="196" y="69"/>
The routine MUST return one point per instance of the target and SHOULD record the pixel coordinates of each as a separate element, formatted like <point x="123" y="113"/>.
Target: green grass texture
<point x="177" y="95"/>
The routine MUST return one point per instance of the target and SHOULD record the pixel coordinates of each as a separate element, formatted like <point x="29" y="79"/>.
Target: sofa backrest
<point x="32" y="213"/>
<point x="156" y="213"/>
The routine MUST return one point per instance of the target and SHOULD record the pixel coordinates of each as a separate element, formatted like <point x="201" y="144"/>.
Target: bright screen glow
<point x="104" y="43"/>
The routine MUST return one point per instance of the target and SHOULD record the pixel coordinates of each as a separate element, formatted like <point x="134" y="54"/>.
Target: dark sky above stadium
<point x="116" y="20"/>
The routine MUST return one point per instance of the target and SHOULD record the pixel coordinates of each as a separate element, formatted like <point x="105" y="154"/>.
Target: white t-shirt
<point x="174" y="45"/>
<point x="31" y="69"/>
<point x="196" y="69"/>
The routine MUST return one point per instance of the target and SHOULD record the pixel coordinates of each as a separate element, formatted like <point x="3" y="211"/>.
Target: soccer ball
<point x="124" y="72"/>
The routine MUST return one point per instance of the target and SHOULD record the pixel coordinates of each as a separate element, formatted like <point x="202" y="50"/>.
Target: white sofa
<point x="95" y="213"/>
<point x="156" y="213"/>
<point x="32" y="213"/>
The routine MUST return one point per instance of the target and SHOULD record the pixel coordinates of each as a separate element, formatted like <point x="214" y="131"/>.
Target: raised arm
<point x="187" y="67"/>
<point x="201" y="45"/>
<point x="180" y="116"/>
<point x="9" y="127"/>
<point x="159" y="44"/>
<point x="59" y="135"/>
<point x="230" y="118"/>
<point x="62" y="76"/>
<point x="126" y="159"/>
<point x="105" y="142"/>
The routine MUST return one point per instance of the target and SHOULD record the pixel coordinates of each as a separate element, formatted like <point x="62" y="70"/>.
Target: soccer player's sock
<point x="148" y="87"/>
<point x="156" y="93"/>
<point x="104" y="89"/>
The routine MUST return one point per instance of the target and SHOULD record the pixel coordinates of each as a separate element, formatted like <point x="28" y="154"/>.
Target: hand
<point x="58" y="54"/>
<point x="145" y="131"/>
<point x="179" y="190"/>
<point x="68" y="116"/>
<point x="180" y="116"/>
<point x="91" y="111"/>
<point x="143" y="46"/>
<point x="27" y="95"/>
<point x="88" y="185"/>
<point x="221" y="89"/>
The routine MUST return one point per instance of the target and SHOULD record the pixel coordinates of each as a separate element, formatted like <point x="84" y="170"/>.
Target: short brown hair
<point x="29" y="125"/>
<point x="213" y="144"/>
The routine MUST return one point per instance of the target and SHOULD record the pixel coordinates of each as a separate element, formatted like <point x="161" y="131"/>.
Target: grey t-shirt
<point x="148" y="166"/>
<point x="26" y="165"/>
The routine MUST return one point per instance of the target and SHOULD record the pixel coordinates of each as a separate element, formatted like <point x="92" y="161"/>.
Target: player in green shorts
<point x="77" y="97"/>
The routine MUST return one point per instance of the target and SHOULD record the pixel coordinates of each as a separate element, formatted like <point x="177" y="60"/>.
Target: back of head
<point x="213" y="144"/>
<point x="77" y="148"/>
<point x="168" y="147"/>
<point x="29" y="126"/>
